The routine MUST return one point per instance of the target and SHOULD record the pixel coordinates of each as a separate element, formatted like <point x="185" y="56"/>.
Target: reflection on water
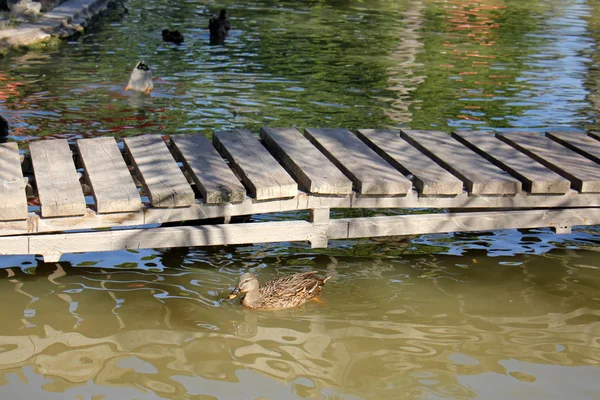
<point x="419" y="325"/>
<point x="512" y="314"/>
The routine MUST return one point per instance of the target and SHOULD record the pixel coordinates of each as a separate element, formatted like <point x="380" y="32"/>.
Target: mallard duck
<point x="279" y="293"/>
<point x="140" y="79"/>
<point x="172" y="36"/>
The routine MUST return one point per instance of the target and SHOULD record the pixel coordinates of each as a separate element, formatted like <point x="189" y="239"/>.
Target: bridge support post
<point x="51" y="256"/>
<point x="562" y="229"/>
<point x="320" y="220"/>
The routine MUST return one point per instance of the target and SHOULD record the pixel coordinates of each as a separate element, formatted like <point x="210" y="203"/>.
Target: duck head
<point x="142" y="66"/>
<point x="246" y="283"/>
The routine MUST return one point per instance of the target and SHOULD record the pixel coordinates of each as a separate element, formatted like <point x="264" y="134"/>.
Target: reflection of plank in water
<point x="310" y="347"/>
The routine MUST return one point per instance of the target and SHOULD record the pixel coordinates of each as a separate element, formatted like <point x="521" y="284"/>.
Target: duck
<point x="3" y="129"/>
<point x="140" y="79"/>
<point x="279" y="293"/>
<point x="219" y="27"/>
<point x="172" y="36"/>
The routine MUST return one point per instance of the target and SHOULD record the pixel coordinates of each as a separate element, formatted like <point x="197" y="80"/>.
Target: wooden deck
<point x="101" y="194"/>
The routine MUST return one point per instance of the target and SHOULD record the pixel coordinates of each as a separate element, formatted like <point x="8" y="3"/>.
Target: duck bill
<point x="234" y="294"/>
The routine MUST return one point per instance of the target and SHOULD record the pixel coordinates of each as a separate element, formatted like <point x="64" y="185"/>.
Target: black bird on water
<point x="3" y="129"/>
<point x="219" y="27"/>
<point x="172" y="36"/>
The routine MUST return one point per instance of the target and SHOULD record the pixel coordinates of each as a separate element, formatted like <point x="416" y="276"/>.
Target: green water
<point x="491" y="315"/>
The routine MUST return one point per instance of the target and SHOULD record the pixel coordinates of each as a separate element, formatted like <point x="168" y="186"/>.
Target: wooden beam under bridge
<point x="317" y="230"/>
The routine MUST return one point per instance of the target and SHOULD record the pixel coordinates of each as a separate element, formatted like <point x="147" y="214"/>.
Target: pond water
<point x="491" y="315"/>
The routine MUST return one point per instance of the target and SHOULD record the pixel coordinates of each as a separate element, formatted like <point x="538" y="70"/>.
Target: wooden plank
<point x="583" y="173"/>
<point x="561" y="220"/>
<point x="370" y="174"/>
<point x="579" y="143"/>
<point x="13" y="201"/>
<point x="594" y="134"/>
<point x="161" y="177"/>
<point x="314" y="172"/>
<point x="51" y="246"/>
<point x="213" y="177"/>
<point x="255" y="165"/>
<point x="479" y="175"/>
<point x="14" y="245"/>
<point x="57" y="181"/>
<point x="536" y="178"/>
<point x="303" y="201"/>
<point x="109" y="177"/>
<point x="204" y="235"/>
<point x="427" y="176"/>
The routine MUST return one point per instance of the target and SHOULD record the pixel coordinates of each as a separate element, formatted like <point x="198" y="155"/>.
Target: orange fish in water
<point x="135" y="285"/>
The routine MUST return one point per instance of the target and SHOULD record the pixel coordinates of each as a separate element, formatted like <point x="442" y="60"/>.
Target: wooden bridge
<point x="102" y="195"/>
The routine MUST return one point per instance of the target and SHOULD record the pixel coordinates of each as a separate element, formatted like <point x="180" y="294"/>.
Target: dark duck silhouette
<point x="3" y="130"/>
<point x="219" y="27"/>
<point x="172" y="36"/>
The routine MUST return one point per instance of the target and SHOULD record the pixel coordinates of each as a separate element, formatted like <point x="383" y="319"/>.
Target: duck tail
<point x="327" y="277"/>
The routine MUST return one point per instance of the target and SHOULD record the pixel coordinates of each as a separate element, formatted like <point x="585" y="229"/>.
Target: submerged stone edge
<point x="63" y="21"/>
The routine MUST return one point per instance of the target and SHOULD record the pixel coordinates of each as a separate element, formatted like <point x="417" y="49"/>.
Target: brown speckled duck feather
<point x="279" y="293"/>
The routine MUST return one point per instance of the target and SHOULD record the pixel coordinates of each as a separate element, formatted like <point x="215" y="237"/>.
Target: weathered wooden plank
<point x="370" y="174"/>
<point x="213" y="177"/>
<point x="314" y="172"/>
<point x="579" y="143"/>
<point x="13" y="201"/>
<point x="259" y="171"/>
<point x="206" y="235"/>
<point x="583" y="173"/>
<point x="561" y="220"/>
<point x="536" y="178"/>
<point x="427" y="176"/>
<point x="57" y="181"/>
<point x="161" y="177"/>
<point x="594" y="134"/>
<point x="303" y="201"/>
<point x="479" y="175"/>
<point x="109" y="177"/>
<point x="14" y="245"/>
<point x="52" y="246"/>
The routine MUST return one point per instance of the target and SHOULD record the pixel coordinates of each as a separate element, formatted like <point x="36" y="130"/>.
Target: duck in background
<point x="140" y="79"/>
<point x="3" y="130"/>
<point x="219" y="27"/>
<point x="279" y="293"/>
<point x="172" y="36"/>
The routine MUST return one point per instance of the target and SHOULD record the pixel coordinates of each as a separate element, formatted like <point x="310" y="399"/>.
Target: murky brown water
<point x="502" y="315"/>
<point x="392" y="327"/>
